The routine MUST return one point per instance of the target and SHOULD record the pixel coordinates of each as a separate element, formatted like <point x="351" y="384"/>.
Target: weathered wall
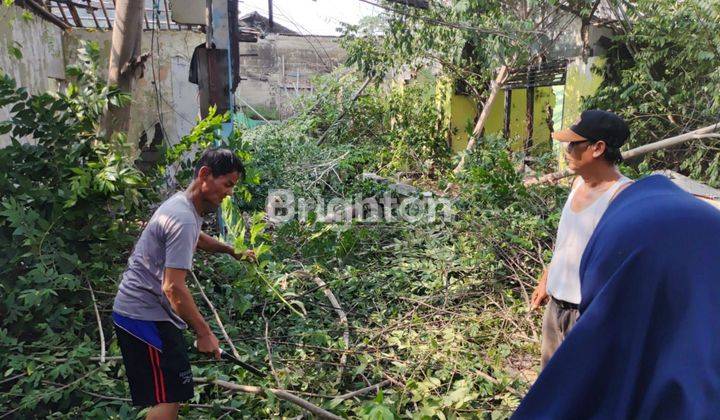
<point x="40" y="43"/>
<point x="283" y="68"/>
<point x="464" y="112"/>
<point x="177" y="98"/>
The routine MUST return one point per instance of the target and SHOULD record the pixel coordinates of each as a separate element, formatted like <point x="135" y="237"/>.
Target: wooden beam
<point x="92" y="13"/>
<point x="107" y="17"/>
<point x="74" y="14"/>
<point x="43" y="12"/>
<point x="167" y="14"/>
<point x="62" y="12"/>
<point x="530" y="118"/>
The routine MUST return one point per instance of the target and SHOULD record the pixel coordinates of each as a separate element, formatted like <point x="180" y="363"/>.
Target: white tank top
<point x="574" y="232"/>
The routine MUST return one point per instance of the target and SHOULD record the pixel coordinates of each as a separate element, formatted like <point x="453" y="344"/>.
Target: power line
<point x="305" y="37"/>
<point x="302" y="28"/>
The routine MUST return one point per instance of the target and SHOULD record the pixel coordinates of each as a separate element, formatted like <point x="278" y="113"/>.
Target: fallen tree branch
<point x="92" y="359"/>
<point x="700" y="133"/>
<point x="345" y="110"/>
<point x="280" y="393"/>
<point x="123" y="399"/>
<point x="336" y="306"/>
<point x="495" y="87"/>
<point x="217" y="317"/>
<point x="494" y="381"/>
<point x="268" y="346"/>
<point x="99" y="322"/>
<point x="361" y="391"/>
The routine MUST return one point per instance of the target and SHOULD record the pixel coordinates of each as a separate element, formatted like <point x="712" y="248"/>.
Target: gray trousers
<point x="557" y="323"/>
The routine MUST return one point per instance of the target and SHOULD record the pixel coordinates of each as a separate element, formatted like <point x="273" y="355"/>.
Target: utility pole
<point x="218" y="64"/>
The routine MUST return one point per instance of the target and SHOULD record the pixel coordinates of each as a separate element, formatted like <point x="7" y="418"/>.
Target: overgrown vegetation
<point x="664" y="79"/>
<point x="436" y="309"/>
<point x="436" y="313"/>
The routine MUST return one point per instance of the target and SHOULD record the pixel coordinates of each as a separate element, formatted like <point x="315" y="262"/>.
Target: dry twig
<point x="217" y="317"/>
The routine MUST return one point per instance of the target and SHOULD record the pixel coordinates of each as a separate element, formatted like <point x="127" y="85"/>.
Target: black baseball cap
<point x="595" y="125"/>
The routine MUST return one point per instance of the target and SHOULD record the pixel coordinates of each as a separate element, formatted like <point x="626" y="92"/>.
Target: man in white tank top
<point x="592" y="151"/>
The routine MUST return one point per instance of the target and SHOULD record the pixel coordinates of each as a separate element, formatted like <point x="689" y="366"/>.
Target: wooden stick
<point x="217" y="317"/>
<point x="268" y="346"/>
<point x="99" y="322"/>
<point x="336" y="306"/>
<point x="280" y="393"/>
<point x="107" y="18"/>
<point x="362" y="391"/>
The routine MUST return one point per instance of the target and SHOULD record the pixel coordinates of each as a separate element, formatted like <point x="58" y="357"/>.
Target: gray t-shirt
<point x="168" y="241"/>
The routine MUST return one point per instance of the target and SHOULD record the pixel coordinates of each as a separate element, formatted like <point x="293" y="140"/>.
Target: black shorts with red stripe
<point x="154" y="376"/>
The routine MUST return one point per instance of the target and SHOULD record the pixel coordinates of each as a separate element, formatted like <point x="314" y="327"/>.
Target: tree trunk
<point x="480" y="125"/>
<point x="125" y="59"/>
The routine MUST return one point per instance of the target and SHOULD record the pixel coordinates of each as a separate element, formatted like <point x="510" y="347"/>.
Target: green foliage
<point x="181" y="158"/>
<point x="664" y="79"/>
<point x="467" y="39"/>
<point x="69" y="205"/>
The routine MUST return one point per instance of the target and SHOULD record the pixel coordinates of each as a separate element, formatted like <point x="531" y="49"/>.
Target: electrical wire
<point x="438" y="22"/>
<point x="309" y="34"/>
<point x="306" y="38"/>
<point x="155" y="44"/>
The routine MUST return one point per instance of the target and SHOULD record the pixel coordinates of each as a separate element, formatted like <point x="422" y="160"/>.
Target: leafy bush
<point x="70" y="202"/>
<point x="663" y="78"/>
<point x="438" y="309"/>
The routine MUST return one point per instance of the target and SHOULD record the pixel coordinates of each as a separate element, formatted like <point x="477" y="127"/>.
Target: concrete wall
<point x="177" y="98"/>
<point x="40" y="43"/>
<point x="283" y="69"/>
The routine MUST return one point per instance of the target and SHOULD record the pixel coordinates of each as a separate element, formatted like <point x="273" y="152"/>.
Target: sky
<point x="316" y="17"/>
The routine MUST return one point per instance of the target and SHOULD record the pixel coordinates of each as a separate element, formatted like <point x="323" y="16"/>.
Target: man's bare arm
<point x="210" y="244"/>
<point x="184" y="305"/>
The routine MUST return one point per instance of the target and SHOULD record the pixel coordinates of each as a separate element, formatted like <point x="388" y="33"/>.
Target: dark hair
<point x="612" y="155"/>
<point x="221" y="162"/>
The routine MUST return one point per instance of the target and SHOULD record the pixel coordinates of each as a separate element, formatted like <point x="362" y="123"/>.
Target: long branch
<point x="362" y="391"/>
<point x="99" y="322"/>
<point x="345" y="109"/>
<point x="217" y="317"/>
<point x="484" y="115"/>
<point x="336" y="306"/>
<point x="280" y="393"/>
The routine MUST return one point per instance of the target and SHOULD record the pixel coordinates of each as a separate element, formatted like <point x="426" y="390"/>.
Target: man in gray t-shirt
<point x="153" y="304"/>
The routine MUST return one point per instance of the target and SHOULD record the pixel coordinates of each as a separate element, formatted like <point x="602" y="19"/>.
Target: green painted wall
<point x="581" y="82"/>
<point x="565" y="102"/>
<point x="463" y="111"/>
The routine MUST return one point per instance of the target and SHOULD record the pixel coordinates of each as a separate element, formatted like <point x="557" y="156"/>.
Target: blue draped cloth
<point x="647" y="343"/>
